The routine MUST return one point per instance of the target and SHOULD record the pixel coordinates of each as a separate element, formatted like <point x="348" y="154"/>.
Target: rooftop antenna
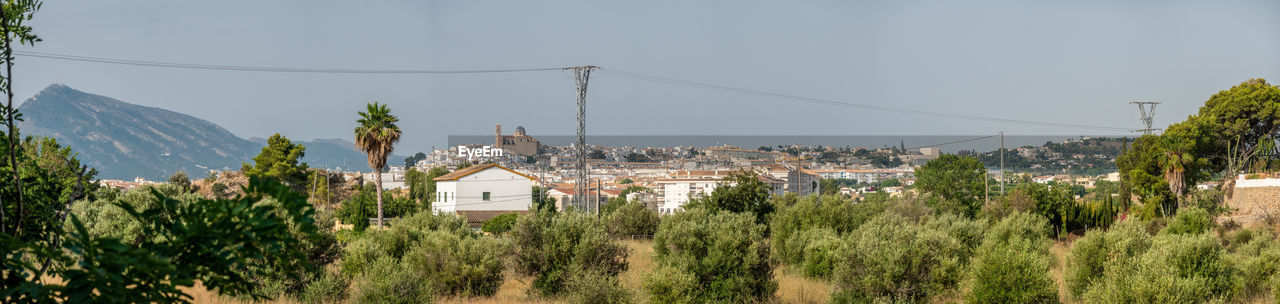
<point x="1148" y="111"/>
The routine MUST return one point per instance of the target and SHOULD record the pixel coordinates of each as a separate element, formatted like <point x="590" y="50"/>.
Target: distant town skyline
<point x="1077" y="62"/>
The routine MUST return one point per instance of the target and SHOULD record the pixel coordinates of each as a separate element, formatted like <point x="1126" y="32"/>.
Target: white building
<point x="674" y="192"/>
<point x="486" y="187"/>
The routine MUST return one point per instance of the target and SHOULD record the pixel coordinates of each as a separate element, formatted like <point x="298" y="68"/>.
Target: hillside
<point x="124" y="140"/>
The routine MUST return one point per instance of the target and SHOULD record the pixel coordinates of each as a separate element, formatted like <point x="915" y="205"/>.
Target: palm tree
<point x="376" y="136"/>
<point x="1173" y="159"/>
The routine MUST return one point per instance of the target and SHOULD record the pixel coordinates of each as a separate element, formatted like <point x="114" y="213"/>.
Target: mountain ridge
<point x="124" y="140"/>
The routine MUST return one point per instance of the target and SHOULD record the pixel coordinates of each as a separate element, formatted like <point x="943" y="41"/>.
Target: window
<point x="485" y="195"/>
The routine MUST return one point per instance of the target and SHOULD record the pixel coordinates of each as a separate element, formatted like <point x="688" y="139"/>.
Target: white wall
<point x="447" y="189"/>
<point x="507" y="191"/>
<point x="675" y="194"/>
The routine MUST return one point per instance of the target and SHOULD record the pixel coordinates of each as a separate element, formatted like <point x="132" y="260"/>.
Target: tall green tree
<point x="955" y="178"/>
<point x="13" y="27"/>
<point x="377" y="135"/>
<point x="431" y="181"/>
<point x="739" y="192"/>
<point x="417" y="182"/>
<point x="279" y="160"/>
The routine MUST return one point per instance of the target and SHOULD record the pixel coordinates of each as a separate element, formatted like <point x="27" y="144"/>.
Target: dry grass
<point x="1059" y="252"/>
<point x="794" y="287"/>
<point x="514" y="290"/>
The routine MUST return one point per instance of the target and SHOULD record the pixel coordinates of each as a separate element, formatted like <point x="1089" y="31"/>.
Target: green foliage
<point x="409" y="162"/>
<point x="1012" y="264"/>
<point x="811" y="212"/>
<point x="711" y="257"/>
<point x="1099" y="250"/>
<point x="394" y="242"/>
<point x="1011" y="273"/>
<point x="104" y="218"/>
<point x="376" y="135"/>
<point x="431" y="182"/>
<point x="1190" y="220"/>
<point x="388" y="281"/>
<point x="632" y="218"/>
<point x="543" y="202"/>
<point x="279" y="160"/>
<point x="456" y="264"/>
<point x="821" y="251"/>
<point x="359" y="208"/>
<point x="970" y="232"/>
<point x="954" y="178"/>
<point x="500" y="224"/>
<point x="1178" y="268"/>
<point x="237" y="247"/>
<point x="594" y="288"/>
<point x="1258" y="258"/>
<point x="672" y="285"/>
<point x="181" y="180"/>
<point x="552" y="247"/>
<point x="417" y="182"/>
<point x="740" y="192"/>
<point x="892" y="259"/>
<point x="326" y="288"/>
<point x="423" y="255"/>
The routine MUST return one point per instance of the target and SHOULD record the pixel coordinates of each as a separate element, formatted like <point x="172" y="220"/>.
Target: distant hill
<point x="124" y="140"/>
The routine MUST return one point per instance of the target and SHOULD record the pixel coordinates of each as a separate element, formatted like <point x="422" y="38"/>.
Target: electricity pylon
<point x="582" y="75"/>
<point x="1148" y="111"/>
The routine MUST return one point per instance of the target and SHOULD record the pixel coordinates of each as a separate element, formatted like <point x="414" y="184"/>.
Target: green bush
<point x="387" y="281"/>
<point x="1091" y="255"/>
<point x="969" y="232"/>
<point x="1257" y="257"/>
<point x="821" y="251"/>
<point x="632" y="218"/>
<point x="1011" y="273"/>
<point x="374" y="245"/>
<point x="1012" y="264"/>
<point x="588" y="287"/>
<point x="397" y="240"/>
<point x="458" y="265"/>
<point x="103" y="218"/>
<point x="893" y="259"/>
<point x="1020" y="226"/>
<point x="724" y="253"/>
<point x="359" y="208"/>
<point x="500" y="224"/>
<point x="829" y="211"/>
<point x="1189" y="220"/>
<point x="326" y="288"/>
<point x="1179" y="268"/>
<point x="550" y="247"/>
<point x="671" y="285"/>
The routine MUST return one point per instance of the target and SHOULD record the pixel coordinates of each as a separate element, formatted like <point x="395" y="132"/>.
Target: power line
<point x="954" y="142"/>
<point x="264" y="69"/>
<point x="795" y="98"/>
<point x="611" y="72"/>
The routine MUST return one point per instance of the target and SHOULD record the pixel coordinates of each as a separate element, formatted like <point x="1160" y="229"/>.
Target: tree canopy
<point x="954" y="178"/>
<point x="279" y="160"/>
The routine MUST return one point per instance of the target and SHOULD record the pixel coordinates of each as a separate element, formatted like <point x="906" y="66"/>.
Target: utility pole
<point x="1001" y="162"/>
<point x="986" y="194"/>
<point x="1148" y="111"/>
<point x="582" y="75"/>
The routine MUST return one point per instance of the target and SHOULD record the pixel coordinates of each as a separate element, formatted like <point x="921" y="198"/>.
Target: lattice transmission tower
<point x="1148" y="111"/>
<point x="581" y="76"/>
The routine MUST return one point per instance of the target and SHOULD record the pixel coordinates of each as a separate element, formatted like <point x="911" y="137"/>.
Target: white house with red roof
<point x="485" y="187"/>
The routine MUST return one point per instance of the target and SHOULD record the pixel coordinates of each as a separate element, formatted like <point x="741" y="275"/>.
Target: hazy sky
<point x="1076" y="62"/>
